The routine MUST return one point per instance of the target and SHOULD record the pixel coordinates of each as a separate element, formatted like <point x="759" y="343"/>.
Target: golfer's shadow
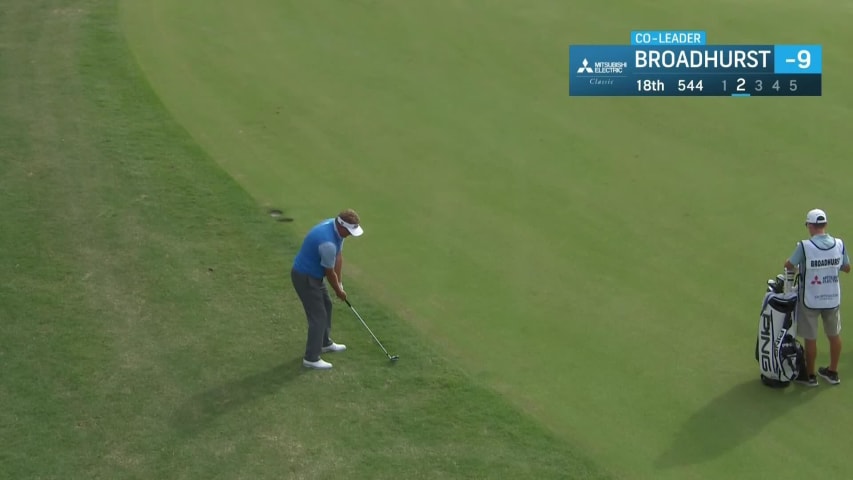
<point x="730" y="420"/>
<point x="202" y="409"/>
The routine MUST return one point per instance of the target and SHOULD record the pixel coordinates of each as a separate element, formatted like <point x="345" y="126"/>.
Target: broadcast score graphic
<point x="680" y="63"/>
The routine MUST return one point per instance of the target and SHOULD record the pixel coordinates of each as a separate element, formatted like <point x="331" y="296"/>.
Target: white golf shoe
<point x="319" y="364"/>
<point x="334" y="347"/>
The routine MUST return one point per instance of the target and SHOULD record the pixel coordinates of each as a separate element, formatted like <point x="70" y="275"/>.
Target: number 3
<point x="758" y="85"/>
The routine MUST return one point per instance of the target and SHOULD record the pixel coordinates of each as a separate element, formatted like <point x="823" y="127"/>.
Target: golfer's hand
<point x="341" y="293"/>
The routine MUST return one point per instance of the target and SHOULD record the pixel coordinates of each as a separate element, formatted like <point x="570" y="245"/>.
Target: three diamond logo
<point x="585" y="68"/>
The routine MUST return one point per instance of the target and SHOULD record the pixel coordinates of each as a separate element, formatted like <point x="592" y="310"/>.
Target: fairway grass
<point x="148" y="327"/>
<point x="598" y="261"/>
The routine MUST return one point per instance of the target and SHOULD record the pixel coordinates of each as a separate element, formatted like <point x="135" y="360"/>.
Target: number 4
<point x="776" y="85"/>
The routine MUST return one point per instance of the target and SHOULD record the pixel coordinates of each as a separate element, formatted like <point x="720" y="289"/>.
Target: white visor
<point x="354" y="230"/>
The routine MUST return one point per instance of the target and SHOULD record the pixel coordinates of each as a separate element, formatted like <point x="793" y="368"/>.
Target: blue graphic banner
<point x="696" y="70"/>
<point x="798" y="59"/>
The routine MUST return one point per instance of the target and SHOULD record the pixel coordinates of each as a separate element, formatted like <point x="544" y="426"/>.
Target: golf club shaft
<point x="368" y="328"/>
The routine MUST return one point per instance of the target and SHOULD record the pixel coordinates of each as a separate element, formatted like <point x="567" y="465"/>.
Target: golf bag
<point x="780" y="356"/>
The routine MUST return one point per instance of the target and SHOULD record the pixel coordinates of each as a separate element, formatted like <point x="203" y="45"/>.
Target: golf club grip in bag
<point x="780" y="356"/>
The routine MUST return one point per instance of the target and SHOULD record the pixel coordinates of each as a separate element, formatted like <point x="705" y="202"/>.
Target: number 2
<point x="741" y="83"/>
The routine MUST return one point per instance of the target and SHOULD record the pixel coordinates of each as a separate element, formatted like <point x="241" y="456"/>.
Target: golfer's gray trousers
<point x="318" y="310"/>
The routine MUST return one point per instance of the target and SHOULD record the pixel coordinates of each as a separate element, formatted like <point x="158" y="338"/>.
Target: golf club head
<point x="394" y="358"/>
<point x="772" y="286"/>
<point x="776" y="285"/>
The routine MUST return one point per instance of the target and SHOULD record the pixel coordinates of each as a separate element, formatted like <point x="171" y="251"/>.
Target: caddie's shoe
<point x="829" y="375"/>
<point x="807" y="380"/>
<point x="334" y="347"/>
<point x="320" y="364"/>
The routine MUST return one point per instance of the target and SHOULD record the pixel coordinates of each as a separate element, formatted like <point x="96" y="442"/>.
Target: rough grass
<point x="148" y="328"/>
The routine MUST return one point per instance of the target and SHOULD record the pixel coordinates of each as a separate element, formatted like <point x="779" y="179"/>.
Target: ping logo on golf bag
<point x="778" y="353"/>
<point x="765" y="340"/>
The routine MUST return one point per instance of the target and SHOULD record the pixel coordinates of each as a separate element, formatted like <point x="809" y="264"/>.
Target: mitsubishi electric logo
<point x="825" y="279"/>
<point x="602" y="68"/>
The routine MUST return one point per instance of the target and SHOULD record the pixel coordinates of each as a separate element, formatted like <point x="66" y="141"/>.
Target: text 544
<point x="690" y="86"/>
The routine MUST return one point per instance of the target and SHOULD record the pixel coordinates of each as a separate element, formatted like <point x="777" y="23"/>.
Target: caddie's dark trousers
<point x="318" y="310"/>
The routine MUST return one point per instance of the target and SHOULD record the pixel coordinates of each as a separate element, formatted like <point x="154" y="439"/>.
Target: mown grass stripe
<point x="148" y="326"/>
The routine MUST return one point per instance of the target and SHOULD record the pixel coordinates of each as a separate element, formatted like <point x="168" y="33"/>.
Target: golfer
<point x="317" y="264"/>
<point x="819" y="259"/>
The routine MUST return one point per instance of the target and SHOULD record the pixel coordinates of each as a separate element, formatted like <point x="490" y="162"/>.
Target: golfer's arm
<point x="333" y="280"/>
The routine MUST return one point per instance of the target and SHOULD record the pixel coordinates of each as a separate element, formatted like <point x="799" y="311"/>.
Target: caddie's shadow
<point x="203" y="409"/>
<point x="731" y="419"/>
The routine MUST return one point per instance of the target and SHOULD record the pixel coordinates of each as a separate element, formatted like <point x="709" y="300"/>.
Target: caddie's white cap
<point x="816" y="216"/>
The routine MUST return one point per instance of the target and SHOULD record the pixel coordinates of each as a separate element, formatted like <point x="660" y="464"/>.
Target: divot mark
<point x="279" y="215"/>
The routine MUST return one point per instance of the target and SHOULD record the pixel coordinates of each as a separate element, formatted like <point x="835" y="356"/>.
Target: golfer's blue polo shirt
<point x="319" y="250"/>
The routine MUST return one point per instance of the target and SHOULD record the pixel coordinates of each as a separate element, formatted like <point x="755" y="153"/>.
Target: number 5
<point x="793" y="85"/>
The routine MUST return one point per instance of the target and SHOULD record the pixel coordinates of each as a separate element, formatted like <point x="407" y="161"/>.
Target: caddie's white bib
<point x="820" y="276"/>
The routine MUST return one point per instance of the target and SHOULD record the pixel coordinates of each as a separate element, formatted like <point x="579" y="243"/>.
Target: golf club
<point x="393" y="358"/>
